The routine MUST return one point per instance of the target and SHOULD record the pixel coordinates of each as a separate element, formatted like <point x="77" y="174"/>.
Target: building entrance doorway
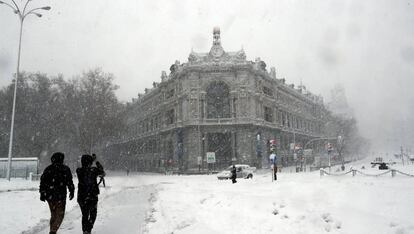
<point x="220" y="143"/>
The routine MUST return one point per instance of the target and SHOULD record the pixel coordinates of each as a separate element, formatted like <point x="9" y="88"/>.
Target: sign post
<point x="329" y="148"/>
<point x="199" y="162"/>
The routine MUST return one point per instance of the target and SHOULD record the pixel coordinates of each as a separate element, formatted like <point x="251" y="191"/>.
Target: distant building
<point x="217" y="102"/>
<point x="339" y="104"/>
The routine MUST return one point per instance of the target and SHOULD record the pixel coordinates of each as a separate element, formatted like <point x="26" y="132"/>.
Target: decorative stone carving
<point x="216" y="36"/>
<point x="193" y="94"/>
<point x="260" y="65"/>
<point x="272" y="72"/>
<point x="240" y="55"/>
<point x="164" y="76"/>
<point x="217" y="55"/>
<point x="193" y="58"/>
<point x="174" y="67"/>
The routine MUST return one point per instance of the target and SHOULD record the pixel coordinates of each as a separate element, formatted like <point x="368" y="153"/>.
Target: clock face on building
<point x="217" y="51"/>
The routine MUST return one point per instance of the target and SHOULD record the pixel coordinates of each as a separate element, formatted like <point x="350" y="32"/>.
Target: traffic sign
<point x="211" y="157"/>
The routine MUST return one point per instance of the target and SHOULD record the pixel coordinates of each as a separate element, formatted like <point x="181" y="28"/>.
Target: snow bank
<point x="296" y="203"/>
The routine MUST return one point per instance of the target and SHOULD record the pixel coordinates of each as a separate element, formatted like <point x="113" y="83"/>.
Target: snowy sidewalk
<point x="121" y="212"/>
<point x="124" y="202"/>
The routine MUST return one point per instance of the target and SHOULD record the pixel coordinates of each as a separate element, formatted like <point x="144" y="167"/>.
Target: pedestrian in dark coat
<point x="54" y="182"/>
<point x="88" y="191"/>
<point x="233" y="174"/>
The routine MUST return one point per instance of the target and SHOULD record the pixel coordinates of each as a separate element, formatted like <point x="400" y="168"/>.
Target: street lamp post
<point x="22" y="15"/>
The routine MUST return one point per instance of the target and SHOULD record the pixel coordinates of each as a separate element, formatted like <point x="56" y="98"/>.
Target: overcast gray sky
<point x="367" y="46"/>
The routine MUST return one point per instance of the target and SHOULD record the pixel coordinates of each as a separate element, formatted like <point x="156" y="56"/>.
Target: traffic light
<point x="329" y="147"/>
<point x="272" y="144"/>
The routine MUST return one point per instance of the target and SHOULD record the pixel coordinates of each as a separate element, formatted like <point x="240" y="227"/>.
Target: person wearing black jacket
<point x="233" y="174"/>
<point x="88" y="191"/>
<point x="53" y="183"/>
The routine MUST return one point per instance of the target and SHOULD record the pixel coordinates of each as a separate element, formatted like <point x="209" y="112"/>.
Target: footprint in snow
<point x="275" y="210"/>
<point x="338" y="225"/>
<point x="202" y="201"/>
<point x="327" y="217"/>
<point x="330" y="222"/>
<point x="284" y="216"/>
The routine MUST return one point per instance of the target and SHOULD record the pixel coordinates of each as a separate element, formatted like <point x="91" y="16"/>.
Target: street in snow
<point x="295" y="203"/>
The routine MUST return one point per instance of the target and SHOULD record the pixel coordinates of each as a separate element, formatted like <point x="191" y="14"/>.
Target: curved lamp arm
<point x="25" y="6"/>
<point x="46" y="8"/>
<point x="33" y="13"/>
<point x="7" y="4"/>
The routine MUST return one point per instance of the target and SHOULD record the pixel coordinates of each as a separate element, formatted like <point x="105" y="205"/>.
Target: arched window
<point x="218" y="100"/>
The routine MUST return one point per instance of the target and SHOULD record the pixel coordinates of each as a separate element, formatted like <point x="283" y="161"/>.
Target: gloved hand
<point x="71" y="195"/>
<point x="42" y="197"/>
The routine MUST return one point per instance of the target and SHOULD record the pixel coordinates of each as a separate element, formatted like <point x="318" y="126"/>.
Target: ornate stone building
<point x="217" y="102"/>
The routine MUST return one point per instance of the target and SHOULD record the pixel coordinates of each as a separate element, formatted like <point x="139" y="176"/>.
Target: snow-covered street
<point x="122" y="208"/>
<point x="120" y="212"/>
<point x="296" y="203"/>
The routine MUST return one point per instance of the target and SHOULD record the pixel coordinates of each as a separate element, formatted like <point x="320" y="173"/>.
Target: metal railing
<point x="355" y="172"/>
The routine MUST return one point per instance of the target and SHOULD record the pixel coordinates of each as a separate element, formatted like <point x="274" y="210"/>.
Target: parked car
<point x="242" y="171"/>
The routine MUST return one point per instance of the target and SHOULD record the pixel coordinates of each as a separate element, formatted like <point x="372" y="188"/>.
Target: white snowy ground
<point x="296" y="203"/>
<point x="122" y="208"/>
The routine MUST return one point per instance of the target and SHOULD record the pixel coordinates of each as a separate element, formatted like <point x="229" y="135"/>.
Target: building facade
<point x="217" y="102"/>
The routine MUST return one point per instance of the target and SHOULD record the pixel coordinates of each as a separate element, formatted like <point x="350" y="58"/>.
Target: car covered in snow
<point x="242" y="171"/>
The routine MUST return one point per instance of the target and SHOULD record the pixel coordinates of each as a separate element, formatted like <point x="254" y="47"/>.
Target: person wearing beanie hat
<point x="54" y="182"/>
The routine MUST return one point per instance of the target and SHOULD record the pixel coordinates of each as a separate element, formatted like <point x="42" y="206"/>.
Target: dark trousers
<point x="57" y="212"/>
<point x="275" y="172"/>
<point x="233" y="179"/>
<point x="89" y="209"/>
